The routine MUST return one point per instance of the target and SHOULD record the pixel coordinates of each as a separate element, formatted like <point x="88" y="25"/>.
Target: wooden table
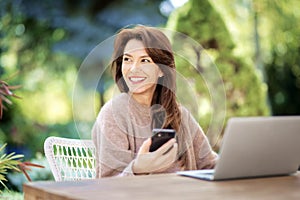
<point x="166" y="186"/>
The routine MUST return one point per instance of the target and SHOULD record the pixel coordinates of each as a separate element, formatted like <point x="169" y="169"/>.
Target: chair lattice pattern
<point x="70" y="159"/>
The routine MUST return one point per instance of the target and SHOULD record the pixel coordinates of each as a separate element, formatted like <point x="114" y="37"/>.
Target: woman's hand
<point x="157" y="161"/>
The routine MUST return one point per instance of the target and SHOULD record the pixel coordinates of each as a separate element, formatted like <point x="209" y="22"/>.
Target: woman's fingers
<point x="145" y="146"/>
<point x="166" y="147"/>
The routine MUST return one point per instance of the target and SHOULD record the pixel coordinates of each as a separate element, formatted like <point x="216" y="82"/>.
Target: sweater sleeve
<point x="205" y="157"/>
<point x="113" y="156"/>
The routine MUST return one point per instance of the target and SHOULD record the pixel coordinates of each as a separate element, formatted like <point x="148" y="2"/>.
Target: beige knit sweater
<point x="123" y="125"/>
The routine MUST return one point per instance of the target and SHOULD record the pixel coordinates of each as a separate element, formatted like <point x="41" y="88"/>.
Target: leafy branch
<point x="13" y="161"/>
<point x="8" y="162"/>
<point x="5" y="93"/>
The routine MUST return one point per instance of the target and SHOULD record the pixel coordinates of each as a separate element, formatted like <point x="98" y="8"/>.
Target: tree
<point x="245" y="91"/>
<point x="267" y="34"/>
<point x="282" y="63"/>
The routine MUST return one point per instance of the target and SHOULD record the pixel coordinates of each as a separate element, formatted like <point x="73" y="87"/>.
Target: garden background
<point x="254" y="44"/>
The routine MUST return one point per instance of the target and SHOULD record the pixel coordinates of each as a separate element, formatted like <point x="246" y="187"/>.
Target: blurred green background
<point x="255" y="45"/>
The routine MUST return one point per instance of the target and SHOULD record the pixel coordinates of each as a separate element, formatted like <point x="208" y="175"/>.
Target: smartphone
<point x="161" y="136"/>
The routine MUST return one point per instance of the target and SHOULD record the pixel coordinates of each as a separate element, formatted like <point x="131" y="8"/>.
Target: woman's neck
<point x="142" y="99"/>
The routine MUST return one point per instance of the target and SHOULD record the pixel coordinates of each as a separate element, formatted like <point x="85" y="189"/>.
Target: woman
<point x="144" y="69"/>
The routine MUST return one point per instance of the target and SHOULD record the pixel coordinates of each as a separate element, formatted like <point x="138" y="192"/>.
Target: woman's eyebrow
<point x="143" y="56"/>
<point x="127" y="54"/>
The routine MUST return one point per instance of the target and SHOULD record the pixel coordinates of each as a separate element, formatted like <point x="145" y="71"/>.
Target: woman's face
<point x="139" y="71"/>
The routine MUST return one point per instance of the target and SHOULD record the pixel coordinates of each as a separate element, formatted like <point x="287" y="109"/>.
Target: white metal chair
<point x="70" y="159"/>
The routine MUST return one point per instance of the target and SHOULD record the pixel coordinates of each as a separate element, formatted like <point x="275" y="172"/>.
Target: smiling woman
<point x="140" y="72"/>
<point x="143" y="67"/>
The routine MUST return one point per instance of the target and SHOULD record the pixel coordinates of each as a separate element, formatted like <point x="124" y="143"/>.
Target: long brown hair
<point x="158" y="47"/>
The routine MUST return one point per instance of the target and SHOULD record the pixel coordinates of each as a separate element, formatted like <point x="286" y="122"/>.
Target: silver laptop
<point x="256" y="147"/>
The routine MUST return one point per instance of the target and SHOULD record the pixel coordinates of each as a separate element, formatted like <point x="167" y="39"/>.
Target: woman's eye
<point x="126" y="59"/>
<point x="145" y="60"/>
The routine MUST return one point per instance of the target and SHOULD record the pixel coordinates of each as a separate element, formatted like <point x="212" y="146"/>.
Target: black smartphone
<point x="161" y="136"/>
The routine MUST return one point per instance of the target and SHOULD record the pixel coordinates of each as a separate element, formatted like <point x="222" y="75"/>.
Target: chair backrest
<point x="70" y="159"/>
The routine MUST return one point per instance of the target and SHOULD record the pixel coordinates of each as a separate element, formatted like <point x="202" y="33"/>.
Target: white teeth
<point x="136" y="79"/>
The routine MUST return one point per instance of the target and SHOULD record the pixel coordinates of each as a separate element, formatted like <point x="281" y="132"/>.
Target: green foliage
<point x="267" y="34"/>
<point x="10" y="195"/>
<point x="8" y="162"/>
<point x="282" y="64"/>
<point x="38" y="174"/>
<point x="46" y="76"/>
<point x="245" y="91"/>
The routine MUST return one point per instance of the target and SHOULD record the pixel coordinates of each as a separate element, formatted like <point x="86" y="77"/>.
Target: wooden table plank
<point x="166" y="186"/>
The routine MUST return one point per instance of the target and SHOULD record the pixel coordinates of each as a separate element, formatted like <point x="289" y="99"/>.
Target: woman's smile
<point x="136" y="79"/>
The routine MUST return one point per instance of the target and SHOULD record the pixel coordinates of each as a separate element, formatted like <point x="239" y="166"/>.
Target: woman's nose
<point x="134" y="66"/>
